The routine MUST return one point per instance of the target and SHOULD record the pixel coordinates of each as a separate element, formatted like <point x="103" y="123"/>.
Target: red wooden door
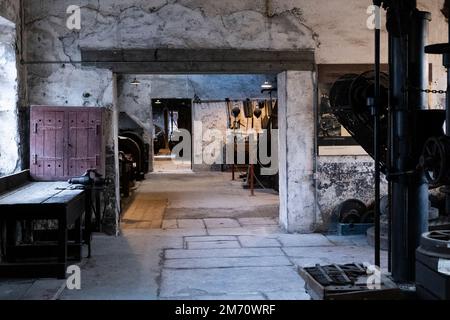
<point x="85" y="140"/>
<point x="47" y="144"/>
<point x="65" y="142"/>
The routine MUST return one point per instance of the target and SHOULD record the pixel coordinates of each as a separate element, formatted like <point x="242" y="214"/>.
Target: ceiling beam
<point x="159" y="61"/>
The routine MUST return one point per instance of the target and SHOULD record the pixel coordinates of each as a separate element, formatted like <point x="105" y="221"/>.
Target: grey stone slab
<point x="211" y="253"/>
<point x="210" y="238"/>
<point x="134" y="244"/>
<point x="191" y="224"/>
<point x="201" y="263"/>
<point x="169" y="224"/>
<point x="219" y="244"/>
<point x="44" y="289"/>
<point x="304" y="240"/>
<point x="258" y="242"/>
<point x="221" y="223"/>
<point x="225" y="280"/>
<point x="185" y="232"/>
<point x="257" y="231"/>
<point x="288" y="295"/>
<point x="14" y="289"/>
<point x="110" y="278"/>
<point x="259" y="221"/>
<point x="220" y="297"/>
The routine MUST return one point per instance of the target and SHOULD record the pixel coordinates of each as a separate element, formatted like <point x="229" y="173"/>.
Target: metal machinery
<point x="94" y="184"/>
<point x="134" y="153"/>
<point x="389" y="116"/>
<point x="266" y="111"/>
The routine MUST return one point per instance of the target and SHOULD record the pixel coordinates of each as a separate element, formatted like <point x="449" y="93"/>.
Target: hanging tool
<point x="228" y="107"/>
<point x="236" y="112"/>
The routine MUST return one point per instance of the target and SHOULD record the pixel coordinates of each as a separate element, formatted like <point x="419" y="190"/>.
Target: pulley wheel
<point x="351" y="217"/>
<point x="434" y="161"/>
<point x="368" y="217"/>
<point x="436" y="243"/>
<point x="350" y="210"/>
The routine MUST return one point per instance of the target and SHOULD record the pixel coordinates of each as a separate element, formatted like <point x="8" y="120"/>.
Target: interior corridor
<point x="198" y="236"/>
<point x="215" y="242"/>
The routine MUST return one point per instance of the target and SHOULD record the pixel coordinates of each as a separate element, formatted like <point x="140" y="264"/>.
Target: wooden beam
<point x="198" y="60"/>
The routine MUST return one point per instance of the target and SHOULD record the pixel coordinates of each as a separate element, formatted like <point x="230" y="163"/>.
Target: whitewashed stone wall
<point x="336" y="29"/>
<point x="12" y="90"/>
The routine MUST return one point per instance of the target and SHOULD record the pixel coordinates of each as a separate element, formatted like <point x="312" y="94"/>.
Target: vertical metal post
<point x="377" y="141"/>
<point x="409" y="199"/>
<point x="446" y="61"/>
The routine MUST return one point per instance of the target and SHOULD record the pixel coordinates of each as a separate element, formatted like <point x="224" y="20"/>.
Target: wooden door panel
<point x="37" y="143"/>
<point x="65" y="141"/>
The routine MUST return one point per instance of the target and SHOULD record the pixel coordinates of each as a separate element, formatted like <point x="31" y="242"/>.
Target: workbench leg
<point x="62" y="246"/>
<point x="88" y="221"/>
<point x="78" y="240"/>
<point x="11" y="234"/>
<point x="2" y="240"/>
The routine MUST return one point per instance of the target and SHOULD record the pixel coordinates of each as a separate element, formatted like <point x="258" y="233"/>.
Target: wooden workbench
<point x="24" y="200"/>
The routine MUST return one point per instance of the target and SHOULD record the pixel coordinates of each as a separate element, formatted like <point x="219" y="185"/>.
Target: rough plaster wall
<point x="136" y="100"/>
<point x="342" y="178"/>
<point x="209" y="116"/>
<point x="9" y="152"/>
<point x="296" y="151"/>
<point x="335" y="28"/>
<point x="438" y="33"/>
<point x="10" y="9"/>
<point x="12" y="89"/>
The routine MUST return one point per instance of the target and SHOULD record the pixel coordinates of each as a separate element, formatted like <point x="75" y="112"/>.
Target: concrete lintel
<point x="161" y="61"/>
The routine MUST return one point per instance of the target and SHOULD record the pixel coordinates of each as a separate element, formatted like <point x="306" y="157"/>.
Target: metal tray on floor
<point x="346" y="282"/>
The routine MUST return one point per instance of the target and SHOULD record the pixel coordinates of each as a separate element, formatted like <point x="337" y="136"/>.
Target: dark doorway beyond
<point x="169" y="117"/>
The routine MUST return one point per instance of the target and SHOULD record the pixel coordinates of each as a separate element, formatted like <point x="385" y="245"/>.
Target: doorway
<point x="169" y="117"/>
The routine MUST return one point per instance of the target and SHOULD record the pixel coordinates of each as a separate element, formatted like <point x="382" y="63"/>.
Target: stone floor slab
<point x="218" y="244"/>
<point x="220" y="297"/>
<point x="257" y="231"/>
<point x="169" y="224"/>
<point x="14" y="289"/>
<point x="202" y="263"/>
<point x="304" y="240"/>
<point x="210" y="238"/>
<point x="288" y="295"/>
<point x="258" y="242"/>
<point x="214" y="253"/>
<point x="263" y="221"/>
<point x="252" y="280"/>
<point x="221" y="223"/>
<point x="191" y="224"/>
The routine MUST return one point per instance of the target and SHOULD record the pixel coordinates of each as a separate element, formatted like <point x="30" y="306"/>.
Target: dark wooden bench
<point x="24" y="200"/>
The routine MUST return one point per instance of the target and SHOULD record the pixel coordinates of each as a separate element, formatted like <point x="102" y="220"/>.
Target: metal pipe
<point x="409" y="200"/>
<point x="447" y="115"/>
<point x="377" y="141"/>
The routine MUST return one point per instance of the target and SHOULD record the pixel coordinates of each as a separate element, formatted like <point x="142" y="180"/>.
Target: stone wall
<point x="340" y="178"/>
<point x="336" y="29"/>
<point x="12" y="90"/>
